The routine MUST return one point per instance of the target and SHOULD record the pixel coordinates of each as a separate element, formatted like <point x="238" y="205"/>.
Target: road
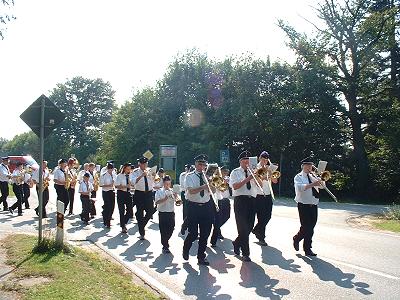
<point x="352" y="263"/>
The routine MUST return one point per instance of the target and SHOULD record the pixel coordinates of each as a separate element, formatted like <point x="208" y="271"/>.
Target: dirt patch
<point x="28" y="282"/>
<point x="366" y="222"/>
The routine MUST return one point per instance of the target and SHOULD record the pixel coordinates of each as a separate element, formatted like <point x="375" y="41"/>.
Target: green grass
<point x="390" y="225"/>
<point x="74" y="273"/>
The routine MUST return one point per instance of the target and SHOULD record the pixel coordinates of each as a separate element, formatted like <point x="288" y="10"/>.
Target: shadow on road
<point x="328" y="272"/>
<point x="163" y="263"/>
<point x="253" y="276"/>
<point x="201" y="284"/>
<point x="138" y="251"/>
<point x="273" y="257"/>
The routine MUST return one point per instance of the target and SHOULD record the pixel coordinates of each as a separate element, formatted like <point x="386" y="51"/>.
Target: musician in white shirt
<point x="85" y="191"/>
<point x="59" y="177"/>
<point x="46" y="180"/>
<point x="124" y="198"/>
<point x="200" y="210"/>
<point x="18" y="181"/>
<point x="93" y="179"/>
<point x="26" y="187"/>
<point x="263" y="202"/>
<point x="144" y="183"/>
<point x="107" y="181"/>
<point x="72" y="173"/>
<point x="165" y="201"/>
<point x="82" y="172"/>
<point x="5" y="176"/>
<point x="306" y="186"/>
<point x="224" y="212"/>
<point x="243" y="190"/>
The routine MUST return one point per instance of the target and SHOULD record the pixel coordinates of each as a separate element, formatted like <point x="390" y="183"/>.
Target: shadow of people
<point x="138" y="251"/>
<point x="164" y="263"/>
<point x="201" y="284"/>
<point x="273" y="257"/>
<point x="253" y="276"/>
<point x="218" y="260"/>
<point x="120" y="239"/>
<point x="328" y="272"/>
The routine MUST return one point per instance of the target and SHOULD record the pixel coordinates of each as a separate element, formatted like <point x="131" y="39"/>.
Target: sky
<point x="129" y="43"/>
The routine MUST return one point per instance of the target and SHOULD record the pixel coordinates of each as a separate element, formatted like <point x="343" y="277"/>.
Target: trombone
<point x="324" y="176"/>
<point x="211" y="192"/>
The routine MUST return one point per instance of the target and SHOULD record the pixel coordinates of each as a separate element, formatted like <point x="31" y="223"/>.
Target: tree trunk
<point x="363" y="180"/>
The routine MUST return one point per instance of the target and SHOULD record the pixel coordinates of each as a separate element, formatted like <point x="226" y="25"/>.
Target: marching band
<point x="204" y="189"/>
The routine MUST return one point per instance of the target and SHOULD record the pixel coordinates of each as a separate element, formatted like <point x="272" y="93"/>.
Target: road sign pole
<point x="41" y="168"/>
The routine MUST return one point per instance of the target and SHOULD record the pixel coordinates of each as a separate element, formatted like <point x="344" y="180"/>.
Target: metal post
<point x="41" y="167"/>
<point x="60" y="223"/>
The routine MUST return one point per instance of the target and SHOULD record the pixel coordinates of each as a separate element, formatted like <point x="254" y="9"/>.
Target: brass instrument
<point x="67" y="183"/>
<point x="174" y="196"/>
<point x="96" y="181"/>
<point x="46" y="182"/>
<point x="210" y="168"/>
<point x="20" y="179"/>
<point x="153" y="173"/>
<point x="324" y="176"/>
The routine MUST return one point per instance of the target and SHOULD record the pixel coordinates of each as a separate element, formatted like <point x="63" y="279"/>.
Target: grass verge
<point x="390" y="225"/>
<point x="74" y="273"/>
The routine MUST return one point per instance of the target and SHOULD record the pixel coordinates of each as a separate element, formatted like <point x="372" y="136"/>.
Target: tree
<point x="347" y="46"/>
<point x="88" y="105"/>
<point x="5" y="17"/>
<point x="23" y="144"/>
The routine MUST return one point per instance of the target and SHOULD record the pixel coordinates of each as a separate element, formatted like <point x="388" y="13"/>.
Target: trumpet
<point x="324" y="176"/>
<point x="174" y="196"/>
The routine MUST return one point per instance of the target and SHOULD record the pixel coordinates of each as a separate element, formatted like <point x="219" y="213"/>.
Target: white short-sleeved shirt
<point x="59" y="175"/>
<point x="4" y="172"/>
<point x="16" y="173"/>
<point x="192" y="180"/>
<point x="302" y="195"/>
<point x="35" y="174"/>
<point x="106" y="179"/>
<point x="140" y="185"/>
<point x="238" y="175"/>
<point x="27" y="177"/>
<point x="168" y="205"/>
<point x="85" y="187"/>
<point x="121" y="180"/>
<point x="182" y="178"/>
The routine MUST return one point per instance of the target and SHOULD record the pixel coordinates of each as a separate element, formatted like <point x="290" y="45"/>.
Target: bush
<point x="393" y="212"/>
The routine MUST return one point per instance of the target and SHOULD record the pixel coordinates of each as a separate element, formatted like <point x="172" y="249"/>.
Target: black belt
<point x="197" y="203"/>
<point x="307" y="204"/>
<point x="246" y="196"/>
<point x="143" y="191"/>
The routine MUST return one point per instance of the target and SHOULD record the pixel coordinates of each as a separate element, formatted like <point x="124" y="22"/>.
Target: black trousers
<point x="62" y="195"/>
<point x="221" y="217"/>
<point x="263" y="207"/>
<point x="244" y="215"/>
<point x="124" y="202"/>
<point x="108" y="207"/>
<point x="71" y="197"/>
<point x="17" y="189"/>
<point x="144" y="203"/>
<point x="200" y="216"/>
<point x="92" y="203"/>
<point x="308" y="214"/>
<point x="45" y="201"/>
<point x="4" y="194"/>
<point x="26" y="191"/>
<point x="85" y="208"/>
<point x="166" y="222"/>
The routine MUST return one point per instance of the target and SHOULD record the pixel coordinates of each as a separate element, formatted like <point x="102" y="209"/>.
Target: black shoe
<point x="296" y="244"/>
<point x="262" y="242"/>
<point x="11" y="210"/>
<point x="309" y="253"/>
<point x="246" y="258"/>
<point x="185" y="255"/>
<point x="203" y="262"/>
<point x="166" y="250"/>
<point x="236" y="248"/>
<point x="70" y="214"/>
<point x="5" y="208"/>
<point x="37" y="212"/>
<point x="20" y="214"/>
<point x="220" y="236"/>
<point x="141" y="238"/>
<point x="27" y="207"/>
<point x="183" y="231"/>
<point x="214" y="245"/>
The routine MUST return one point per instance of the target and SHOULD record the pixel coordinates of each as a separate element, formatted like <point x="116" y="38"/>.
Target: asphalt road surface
<point x="352" y="263"/>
